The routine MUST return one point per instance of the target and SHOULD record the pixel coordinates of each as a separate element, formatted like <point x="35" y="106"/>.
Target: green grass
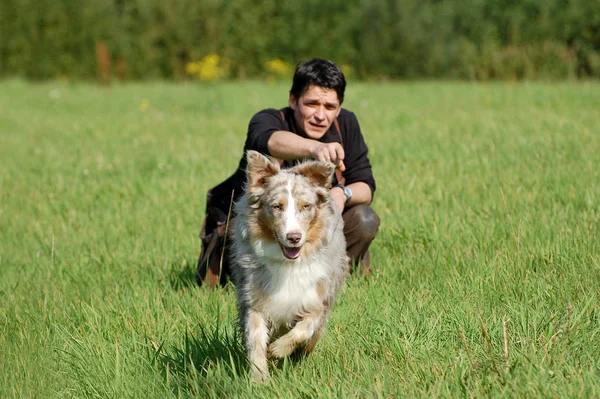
<point x="490" y="210"/>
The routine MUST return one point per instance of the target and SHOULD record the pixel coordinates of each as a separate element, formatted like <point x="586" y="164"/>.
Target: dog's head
<point x="286" y="204"/>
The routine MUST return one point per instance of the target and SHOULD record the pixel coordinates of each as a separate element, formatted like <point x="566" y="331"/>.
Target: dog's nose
<point x="294" y="237"/>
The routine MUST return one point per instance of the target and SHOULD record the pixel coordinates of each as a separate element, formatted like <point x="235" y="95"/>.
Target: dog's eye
<point x="306" y="207"/>
<point x="276" y="207"/>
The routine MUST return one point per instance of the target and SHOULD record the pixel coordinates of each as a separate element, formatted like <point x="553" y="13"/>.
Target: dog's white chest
<point x="293" y="290"/>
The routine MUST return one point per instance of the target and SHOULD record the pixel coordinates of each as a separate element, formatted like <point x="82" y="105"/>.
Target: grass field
<point x="486" y="267"/>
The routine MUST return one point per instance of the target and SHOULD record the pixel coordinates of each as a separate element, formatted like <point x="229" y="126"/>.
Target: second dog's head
<point x="287" y="217"/>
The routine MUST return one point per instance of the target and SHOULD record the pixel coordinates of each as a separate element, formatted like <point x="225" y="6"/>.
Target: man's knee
<point x="363" y="219"/>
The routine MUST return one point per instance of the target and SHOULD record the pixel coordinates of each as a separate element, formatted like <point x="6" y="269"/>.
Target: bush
<point x="152" y="39"/>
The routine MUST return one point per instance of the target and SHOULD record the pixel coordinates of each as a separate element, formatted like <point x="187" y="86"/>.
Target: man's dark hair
<point x="318" y="72"/>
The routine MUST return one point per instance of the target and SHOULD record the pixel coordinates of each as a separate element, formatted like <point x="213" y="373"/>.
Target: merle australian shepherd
<point x="288" y="258"/>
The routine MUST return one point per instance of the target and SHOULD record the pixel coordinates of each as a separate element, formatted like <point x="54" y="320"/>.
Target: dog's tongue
<point x="291" y="253"/>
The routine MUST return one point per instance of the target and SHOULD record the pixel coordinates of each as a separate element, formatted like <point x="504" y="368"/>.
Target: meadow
<point x="486" y="267"/>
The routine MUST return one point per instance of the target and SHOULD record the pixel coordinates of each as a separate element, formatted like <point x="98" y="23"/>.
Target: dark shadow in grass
<point x="182" y="277"/>
<point x="187" y="364"/>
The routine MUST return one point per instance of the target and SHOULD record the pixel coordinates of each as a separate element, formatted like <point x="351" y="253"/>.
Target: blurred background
<point x="110" y="40"/>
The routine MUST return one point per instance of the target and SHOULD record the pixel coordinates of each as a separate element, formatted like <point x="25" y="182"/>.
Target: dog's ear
<point x="259" y="169"/>
<point x="318" y="172"/>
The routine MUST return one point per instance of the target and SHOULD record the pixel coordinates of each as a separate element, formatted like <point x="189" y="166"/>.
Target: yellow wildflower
<point x="278" y="67"/>
<point x="210" y="67"/>
<point x="347" y="69"/>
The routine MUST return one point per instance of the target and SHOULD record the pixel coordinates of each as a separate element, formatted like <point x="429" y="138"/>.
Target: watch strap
<point x="346" y="190"/>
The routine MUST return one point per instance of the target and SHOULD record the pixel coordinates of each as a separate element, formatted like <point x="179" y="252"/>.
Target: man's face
<point x="315" y="110"/>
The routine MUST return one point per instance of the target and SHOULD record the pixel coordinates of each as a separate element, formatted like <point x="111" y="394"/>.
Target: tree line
<point x="375" y="39"/>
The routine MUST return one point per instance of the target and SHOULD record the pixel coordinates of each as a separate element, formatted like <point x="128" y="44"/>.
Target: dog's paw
<point x="281" y="348"/>
<point x="259" y="375"/>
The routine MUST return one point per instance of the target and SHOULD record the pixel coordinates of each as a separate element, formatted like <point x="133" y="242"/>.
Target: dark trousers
<point x="360" y="228"/>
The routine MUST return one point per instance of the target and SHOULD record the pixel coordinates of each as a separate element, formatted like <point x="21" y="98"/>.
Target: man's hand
<point x="339" y="198"/>
<point x="330" y="152"/>
<point x="289" y="146"/>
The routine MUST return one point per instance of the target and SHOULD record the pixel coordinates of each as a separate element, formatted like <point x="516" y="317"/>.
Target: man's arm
<point x="359" y="176"/>
<point x="361" y="194"/>
<point x="290" y="146"/>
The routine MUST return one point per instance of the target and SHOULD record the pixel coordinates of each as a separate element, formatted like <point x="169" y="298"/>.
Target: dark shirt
<point x="266" y="122"/>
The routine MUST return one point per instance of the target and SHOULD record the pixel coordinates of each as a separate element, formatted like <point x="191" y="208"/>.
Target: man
<point x="314" y="126"/>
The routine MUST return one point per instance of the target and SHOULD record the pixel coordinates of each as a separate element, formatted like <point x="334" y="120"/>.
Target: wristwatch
<point x="347" y="191"/>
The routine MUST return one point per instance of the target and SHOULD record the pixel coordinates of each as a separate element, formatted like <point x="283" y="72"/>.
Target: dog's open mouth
<point x="291" y="252"/>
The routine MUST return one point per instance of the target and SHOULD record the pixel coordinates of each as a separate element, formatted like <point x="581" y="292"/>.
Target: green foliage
<point x="474" y="39"/>
<point x="490" y="207"/>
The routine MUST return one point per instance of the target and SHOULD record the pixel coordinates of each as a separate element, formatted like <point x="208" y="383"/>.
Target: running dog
<point x="289" y="258"/>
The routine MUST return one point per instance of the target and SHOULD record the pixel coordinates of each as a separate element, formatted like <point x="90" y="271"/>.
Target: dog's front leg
<point x="257" y="336"/>
<point x="302" y="332"/>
